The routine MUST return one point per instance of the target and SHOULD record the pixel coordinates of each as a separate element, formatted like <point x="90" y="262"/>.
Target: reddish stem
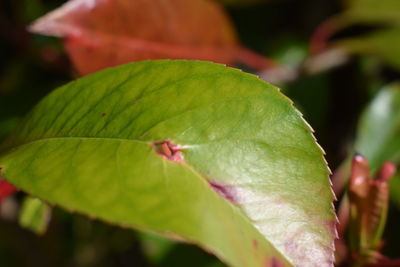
<point x="254" y="60"/>
<point x="319" y="39"/>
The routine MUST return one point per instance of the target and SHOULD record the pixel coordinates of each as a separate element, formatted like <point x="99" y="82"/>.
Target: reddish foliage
<point x="369" y="198"/>
<point x="105" y="33"/>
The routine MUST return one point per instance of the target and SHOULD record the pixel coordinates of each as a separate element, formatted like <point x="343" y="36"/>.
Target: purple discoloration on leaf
<point x="224" y="190"/>
<point x="169" y="151"/>
<point x="330" y="225"/>
<point x="295" y="250"/>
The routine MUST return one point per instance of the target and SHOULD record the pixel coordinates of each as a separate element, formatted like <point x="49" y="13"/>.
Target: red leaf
<point x="105" y="33"/>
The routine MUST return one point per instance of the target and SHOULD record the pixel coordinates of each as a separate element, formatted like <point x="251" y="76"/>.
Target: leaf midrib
<point x="184" y="164"/>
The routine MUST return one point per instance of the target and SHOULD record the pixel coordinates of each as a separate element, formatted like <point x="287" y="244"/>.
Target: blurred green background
<point x="331" y="100"/>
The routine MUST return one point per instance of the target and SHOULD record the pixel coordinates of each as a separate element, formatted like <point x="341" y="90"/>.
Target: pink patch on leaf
<point x="169" y="151"/>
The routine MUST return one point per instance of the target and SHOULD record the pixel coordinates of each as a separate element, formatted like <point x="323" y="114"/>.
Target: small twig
<point x="323" y="33"/>
<point x="255" y="60"/>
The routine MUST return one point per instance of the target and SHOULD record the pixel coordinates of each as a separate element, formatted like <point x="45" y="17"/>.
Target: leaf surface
<point x="378" y="135"/>
<point x="190" y="150"/>
<point x="105" y="33"/>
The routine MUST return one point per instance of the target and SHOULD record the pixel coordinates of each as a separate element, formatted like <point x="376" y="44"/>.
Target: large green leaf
<point x="378" y="137"/>
<point x="192" y="150"/>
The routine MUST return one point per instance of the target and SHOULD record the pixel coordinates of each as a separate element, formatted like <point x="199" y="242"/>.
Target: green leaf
<point x="372" y="11"/>
<point x="394" y="186"/>
<point x="7" y="125"/>
<point x="34" y="215"/>
<point x="190" y="150"/>
<point x="154" y="247"/>
<point x="378" y="137"/>
<point x="383" y="44"/>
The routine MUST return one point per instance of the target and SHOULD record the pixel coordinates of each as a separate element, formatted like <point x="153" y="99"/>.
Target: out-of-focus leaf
<point x="105" y="33"/>
<point x="32" y="8"/>
<point x="372" y="11"/>
<point x="7" y="125"/>
<point x="290" y="53"/>
<point x="383" y="43"/>
<point x="378" y="134"/>
<point x="183" y="255"/>
<point x="34" y="215"/>
<point x="187" y="149"/>
<point x="154" y="247"/>
<point x="394" y="186"/>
